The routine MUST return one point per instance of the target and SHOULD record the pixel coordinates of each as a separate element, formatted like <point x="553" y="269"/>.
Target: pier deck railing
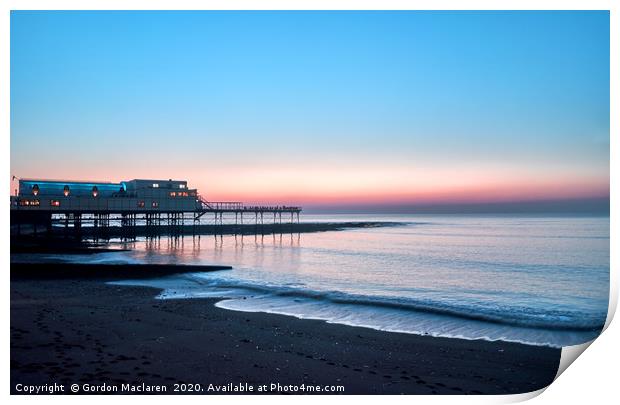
<point x="237" y="206"/>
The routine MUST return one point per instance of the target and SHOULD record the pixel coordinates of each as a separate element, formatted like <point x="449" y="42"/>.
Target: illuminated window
<point x="182" y="186"/>
<point x="55" y="203"/>
<point x="173" y="194"/>
<point x="192" y="193"/>
<point x="155" y="185"/>
<point x="154" y="204"/>
<point x="66" y="191"/>
<point x="35" y="203"/>
<point x="140" y="204"/>
<point x="183" y="194"/>
<point x="35" y="190"/>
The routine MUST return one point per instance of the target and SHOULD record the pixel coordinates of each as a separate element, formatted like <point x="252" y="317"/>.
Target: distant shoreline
<point x="58" y="232"/>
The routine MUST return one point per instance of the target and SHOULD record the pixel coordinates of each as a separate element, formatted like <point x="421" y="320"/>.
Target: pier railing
<point x="220" y="205"/>
<point x="238" y="206"/>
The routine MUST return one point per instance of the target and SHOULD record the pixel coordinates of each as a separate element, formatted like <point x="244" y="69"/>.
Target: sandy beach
<point x="86" y="332"/>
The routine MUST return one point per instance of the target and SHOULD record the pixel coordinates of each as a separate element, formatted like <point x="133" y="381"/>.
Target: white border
<point x="593" y="379"/>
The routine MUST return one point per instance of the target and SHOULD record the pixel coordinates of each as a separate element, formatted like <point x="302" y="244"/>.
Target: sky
<point x="338" y="109"/>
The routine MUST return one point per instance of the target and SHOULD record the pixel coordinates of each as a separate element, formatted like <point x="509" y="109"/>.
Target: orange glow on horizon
<point x="367" y="186"/>
<point x="364" y="186"/>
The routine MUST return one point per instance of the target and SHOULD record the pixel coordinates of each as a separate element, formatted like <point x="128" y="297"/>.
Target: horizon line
<point x="599" y="205"/>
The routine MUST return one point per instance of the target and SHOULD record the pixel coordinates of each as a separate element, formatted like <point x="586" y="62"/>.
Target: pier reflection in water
<point x="240" y="250"/>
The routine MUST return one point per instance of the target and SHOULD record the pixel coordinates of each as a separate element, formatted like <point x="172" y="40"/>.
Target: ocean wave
<point x="554" y="319"/>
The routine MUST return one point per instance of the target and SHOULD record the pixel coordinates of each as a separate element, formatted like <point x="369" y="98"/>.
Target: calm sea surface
<point x="536" y="280"/>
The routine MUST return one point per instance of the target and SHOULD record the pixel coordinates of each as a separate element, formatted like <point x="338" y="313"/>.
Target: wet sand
<point x="84" y="331"/>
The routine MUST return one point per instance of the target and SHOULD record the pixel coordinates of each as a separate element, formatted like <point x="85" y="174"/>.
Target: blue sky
<point x="317" y="106"/>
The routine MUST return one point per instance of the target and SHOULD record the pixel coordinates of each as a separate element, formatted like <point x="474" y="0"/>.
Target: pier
<point x="154" y="204"/>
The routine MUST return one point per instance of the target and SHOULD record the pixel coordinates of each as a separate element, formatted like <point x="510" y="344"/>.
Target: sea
<point x="538" y="280"/>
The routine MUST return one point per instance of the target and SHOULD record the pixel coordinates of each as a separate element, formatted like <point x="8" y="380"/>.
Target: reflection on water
<point x="544" y="274"/>
<point x="203" y="249"/>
